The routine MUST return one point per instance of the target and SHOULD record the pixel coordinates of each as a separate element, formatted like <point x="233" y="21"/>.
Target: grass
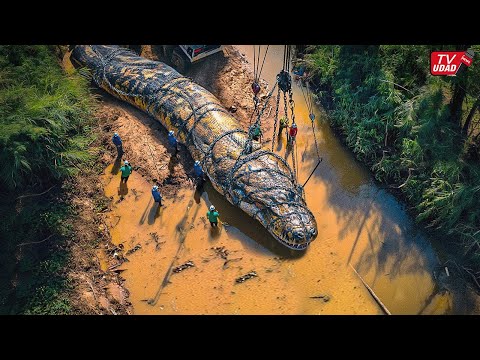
<point x="45" y="136"/>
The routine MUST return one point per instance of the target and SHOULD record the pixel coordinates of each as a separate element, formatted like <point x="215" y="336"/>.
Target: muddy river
<point x="360" y="225"/>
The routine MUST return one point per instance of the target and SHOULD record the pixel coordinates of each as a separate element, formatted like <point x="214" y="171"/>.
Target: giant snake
<point x="257" y="181"/>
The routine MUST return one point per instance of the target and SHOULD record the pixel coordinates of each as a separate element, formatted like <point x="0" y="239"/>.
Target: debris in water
<point x="325" y="298"/>
<point x="446" y="270"/>
<point x="245" y="277"/>
<point x="135" y="248"/>
<point x="221" y="251"/>
<point x="182" y="267"/>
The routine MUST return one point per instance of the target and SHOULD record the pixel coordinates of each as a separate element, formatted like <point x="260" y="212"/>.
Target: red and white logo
<point x="449" y="62"/>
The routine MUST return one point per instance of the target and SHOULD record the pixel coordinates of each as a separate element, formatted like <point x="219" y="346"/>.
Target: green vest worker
<point x="126" y="171"/>
<point x="213" y="216"/>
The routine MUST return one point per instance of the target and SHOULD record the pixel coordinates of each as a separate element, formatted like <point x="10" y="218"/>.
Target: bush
<point x="44" y="118"/>
<point x="45" y="132"/>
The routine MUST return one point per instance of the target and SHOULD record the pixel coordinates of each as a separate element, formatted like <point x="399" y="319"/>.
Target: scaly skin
<point x="259" y="183"/>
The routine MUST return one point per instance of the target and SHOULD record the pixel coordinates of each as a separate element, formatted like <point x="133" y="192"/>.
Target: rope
<point x="256" y="78"/>
<point x="264" y="57"/>
<point x="242" y="160"/>
<point x="259" y="116"/>
<point x="217" y="139"/>
<point x="256" y="63"/>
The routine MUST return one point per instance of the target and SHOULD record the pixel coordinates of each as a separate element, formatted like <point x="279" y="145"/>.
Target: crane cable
<point x="257" y="72"/>
<point x="308" y="96"/>
<point x="285" y="83"/>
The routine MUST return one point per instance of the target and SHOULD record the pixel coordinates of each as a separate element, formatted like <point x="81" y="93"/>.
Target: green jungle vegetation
<point x="418" y="133"/>
<point x="45" y="133"/>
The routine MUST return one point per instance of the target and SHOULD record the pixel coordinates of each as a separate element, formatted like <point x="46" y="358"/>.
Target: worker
<point x="197" y="169"/>
<point x="283" y="124"/>
<point x="126" y="170"/>
<point x="293" y="133"/>
<point x="118" y="143"/>
<point x="173" y="141"/>
<point x="213" y="216"/>
<point x="257" y="132"/>
<point x="156" y="195"/>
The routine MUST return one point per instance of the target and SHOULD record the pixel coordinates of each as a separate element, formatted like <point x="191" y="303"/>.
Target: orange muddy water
<point x="359" y="224"/>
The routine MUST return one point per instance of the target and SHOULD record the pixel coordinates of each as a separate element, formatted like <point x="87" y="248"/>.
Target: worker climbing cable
<point x="292" y="134"/>
<point x="255" y="130"/>
<point x="283" y="125"/>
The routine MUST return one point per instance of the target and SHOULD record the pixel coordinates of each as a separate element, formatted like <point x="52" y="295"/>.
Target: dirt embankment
<point x="95" y="268"/>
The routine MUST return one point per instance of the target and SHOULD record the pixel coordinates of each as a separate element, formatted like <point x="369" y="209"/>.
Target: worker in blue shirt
<point x="118" y="143"/>
<point x="172" y="140"/>
<point x="156" y="195"/>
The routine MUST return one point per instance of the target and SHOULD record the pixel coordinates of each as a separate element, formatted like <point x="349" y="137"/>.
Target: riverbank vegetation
<point x="418" y="133"/>
<point x="45" y="138"/>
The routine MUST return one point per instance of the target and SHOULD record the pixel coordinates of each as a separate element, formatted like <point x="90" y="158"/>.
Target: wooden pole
<point x="379" y="302"/>
<point x="319" y="161"/>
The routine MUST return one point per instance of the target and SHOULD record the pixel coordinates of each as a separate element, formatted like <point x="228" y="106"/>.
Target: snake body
<point x="257" y="181"/>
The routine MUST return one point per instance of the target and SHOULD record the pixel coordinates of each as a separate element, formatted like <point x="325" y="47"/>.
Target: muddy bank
<point x="98" y="288"/>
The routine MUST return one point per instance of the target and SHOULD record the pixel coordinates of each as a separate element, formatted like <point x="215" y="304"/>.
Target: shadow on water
<point x="246" y="225"/>
<point x="215" y="232"/>
<point x="144" y="214"/>
<point x="123" y="189"/>
<point x="116" y="166"/>
<point x="199" y="190"/>
<point x="156" y="211"/>
<point x="182" y="229"/>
